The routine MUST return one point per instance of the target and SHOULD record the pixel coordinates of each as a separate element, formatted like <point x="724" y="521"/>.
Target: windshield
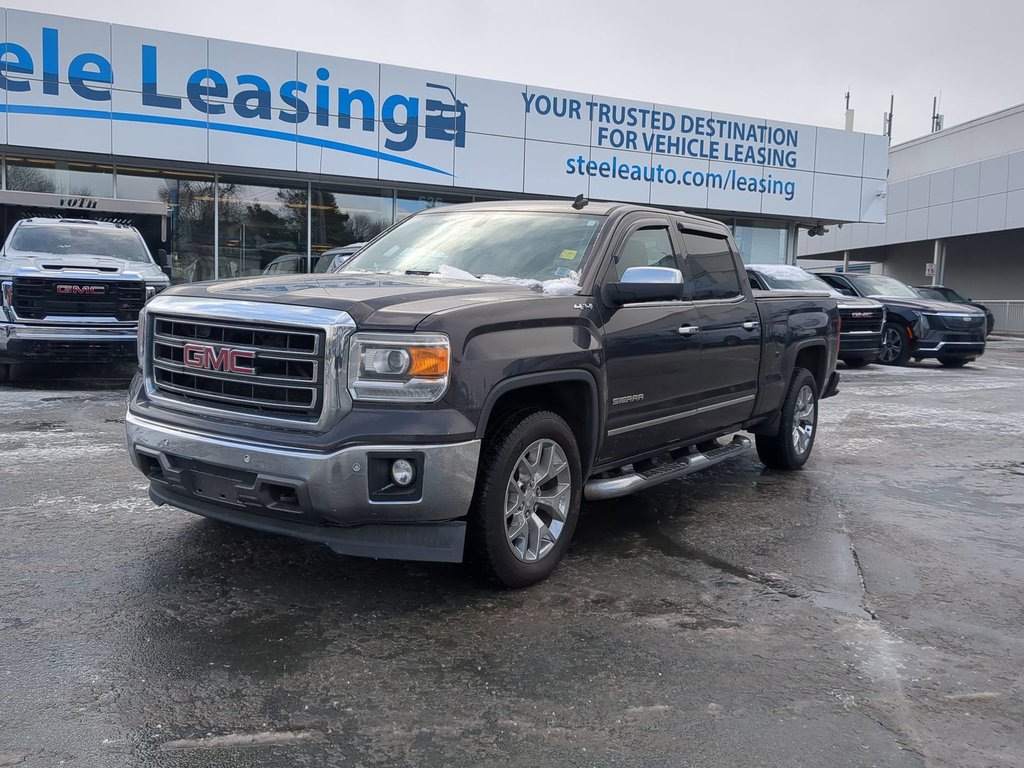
<point x="878" y="285"/>
<point x="931" y="293"/>
<point x="526" y="246"/>
<point x="64" y="240"/>
<point x="782" y="277"/>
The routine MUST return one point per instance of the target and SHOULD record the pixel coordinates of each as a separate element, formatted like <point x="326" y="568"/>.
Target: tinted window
<point x="710" y="267"/>
<point x="647" y="247"/>
<point x="835" y="282"/>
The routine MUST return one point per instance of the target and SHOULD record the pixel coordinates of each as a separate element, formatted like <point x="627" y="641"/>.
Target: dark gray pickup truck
<point x="470" y="377"/>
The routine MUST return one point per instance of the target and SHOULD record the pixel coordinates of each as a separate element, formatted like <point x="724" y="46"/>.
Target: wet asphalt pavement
<point x="866" y="611"/>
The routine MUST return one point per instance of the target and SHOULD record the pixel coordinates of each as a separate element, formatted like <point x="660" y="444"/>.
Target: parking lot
<point x="865" y="611"/>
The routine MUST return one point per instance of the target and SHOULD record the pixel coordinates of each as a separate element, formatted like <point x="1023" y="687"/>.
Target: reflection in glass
<point x="407" y="206"/>
<point x="259" y="225"/>
<point x="345" y="217"/>
<point x="761" y="243"/>
<point x="59" y="177"/>
<point x="190" y="205"/>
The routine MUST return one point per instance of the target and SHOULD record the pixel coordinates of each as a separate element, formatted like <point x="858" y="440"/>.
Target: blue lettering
<point x="207" y="84"/>
<point x="528" y="99"/>
<point x="51" y="62"/>
<point x="323" y="98"/>
<point x="79" y="75"/>
<point x="260" y="94"/>
<point x="408" y="130"/>
<point x="22" y="65"/>
<point x="150" y="96"/>
<point x="345" y="100"/>
<point x="288" y="97"/>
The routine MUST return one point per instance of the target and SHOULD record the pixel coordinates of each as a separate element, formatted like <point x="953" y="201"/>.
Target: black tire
<point x="954" y="362"/>
<point x="490" y="548"/>
<point x="783" y="450"/>
<point x="896" y="346"/>
<point x="856" y="362"/>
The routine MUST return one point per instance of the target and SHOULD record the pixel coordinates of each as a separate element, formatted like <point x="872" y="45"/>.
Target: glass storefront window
<point x="761" y="242"/>
<point x="342" y="217"/>
<point x="190" y="216"/>
<point x="407" y="205"/>
<point x="261" y="229"/>
<point x="62" y="177"/>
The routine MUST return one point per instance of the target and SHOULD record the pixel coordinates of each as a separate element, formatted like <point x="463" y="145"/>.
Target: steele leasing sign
<point x="71" y="84"/>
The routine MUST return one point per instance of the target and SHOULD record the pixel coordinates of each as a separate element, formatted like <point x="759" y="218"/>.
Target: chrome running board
<point x="631" y="482"/>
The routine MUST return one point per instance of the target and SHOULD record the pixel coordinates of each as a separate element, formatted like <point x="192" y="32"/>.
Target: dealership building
<point x="230" y="155"/>
<point x="954" y="217"/>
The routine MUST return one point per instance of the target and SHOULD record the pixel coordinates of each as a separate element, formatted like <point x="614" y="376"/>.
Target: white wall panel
<point x="496" y="107"/>
<point x="965" y="217"/>
<point x="175" y="58"/>
<point x="613" y="187"/>
<point x="917" y="224"/>
<point x="896" y="198"/>
<point x="939" y="219"/>
<point x="544" y="124"/>
<point x="1015" y="177"/>
<point x="940" y="187"/>
<point x="187" y="141"/>
<point x="839" y="152"/>
<point x="1015" y="209"/>
<point x="545" y="169"/>
<point x="833" y="194"/>
<point x="966" y="180"/>
<point x="491" y="162"/>
<point x="994" y="176"/>
<point x="917" y="195"/>
<point x="991" y="213"/>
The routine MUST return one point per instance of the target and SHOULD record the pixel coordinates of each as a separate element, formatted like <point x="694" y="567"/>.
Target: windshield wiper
<point x="419" y="272"/>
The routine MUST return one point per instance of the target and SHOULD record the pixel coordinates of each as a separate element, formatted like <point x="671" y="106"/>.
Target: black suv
<point x="917" y="327"/>
<point x="943" y="293"/>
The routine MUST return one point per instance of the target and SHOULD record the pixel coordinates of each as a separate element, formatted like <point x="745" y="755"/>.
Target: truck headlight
<point x="140" y="344"/>
<point x="398" y="367"/>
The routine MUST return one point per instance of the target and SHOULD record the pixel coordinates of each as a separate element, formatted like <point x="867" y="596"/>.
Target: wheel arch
<point x="572" y="394"/>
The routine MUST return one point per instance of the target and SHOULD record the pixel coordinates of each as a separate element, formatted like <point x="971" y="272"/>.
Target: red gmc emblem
<point x="223" y="359"/>
<point x="81" y="290"/>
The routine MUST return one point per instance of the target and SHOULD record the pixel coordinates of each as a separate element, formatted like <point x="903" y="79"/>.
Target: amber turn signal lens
<point x="428" y="362"/>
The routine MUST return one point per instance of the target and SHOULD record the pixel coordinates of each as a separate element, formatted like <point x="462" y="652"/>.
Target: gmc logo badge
<point x="81" y="290"/>
<point x="223" y="359"/>
<point x="861" y="314"/>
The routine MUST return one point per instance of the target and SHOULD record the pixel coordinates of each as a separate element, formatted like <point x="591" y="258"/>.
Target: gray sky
<point x="786" y="60"/>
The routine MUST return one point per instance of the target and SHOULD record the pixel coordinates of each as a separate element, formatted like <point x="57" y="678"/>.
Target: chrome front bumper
<point x="16" y="340"/>
<point x="323" y="497"/>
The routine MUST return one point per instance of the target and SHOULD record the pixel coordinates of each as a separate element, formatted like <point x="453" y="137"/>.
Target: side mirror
<point x="164" y="261"/>
<point x="639" y="284"/>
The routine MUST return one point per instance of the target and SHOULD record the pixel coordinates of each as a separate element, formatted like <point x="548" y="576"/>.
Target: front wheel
<point x="895" y="345"/>
<point x="527" y="502"/>
<point x="790" y="447"/>
<point x="954" y="362"/>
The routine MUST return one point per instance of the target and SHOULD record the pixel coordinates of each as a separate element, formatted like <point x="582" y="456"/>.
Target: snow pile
<point x="560" y="286"/>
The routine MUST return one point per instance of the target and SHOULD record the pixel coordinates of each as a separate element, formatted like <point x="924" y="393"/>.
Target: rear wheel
<point x="954" y="362"/>
<point x="895" y="345"/>
<point x="790" y="447"/>
<point x="527" y="500"/>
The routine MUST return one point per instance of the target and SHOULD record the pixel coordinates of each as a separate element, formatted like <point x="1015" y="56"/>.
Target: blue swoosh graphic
<point x="264" y="133"/>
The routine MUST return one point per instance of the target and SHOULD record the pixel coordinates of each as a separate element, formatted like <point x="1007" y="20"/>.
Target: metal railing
<point x="1009" y="315"/>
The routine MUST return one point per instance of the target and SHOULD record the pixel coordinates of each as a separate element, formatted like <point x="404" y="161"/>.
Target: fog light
<point x="402" y="472"/>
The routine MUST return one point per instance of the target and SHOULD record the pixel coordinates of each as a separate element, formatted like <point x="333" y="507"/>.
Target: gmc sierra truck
<point x="71" y="291"/>
<point x="470" y="376"/>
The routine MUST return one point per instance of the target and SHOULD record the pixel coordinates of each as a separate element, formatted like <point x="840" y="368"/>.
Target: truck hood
<point x="856" y="302"/>
<point x="26" y="263"/>
<point x="928" y="305"/>
<point x="373" y="301"/>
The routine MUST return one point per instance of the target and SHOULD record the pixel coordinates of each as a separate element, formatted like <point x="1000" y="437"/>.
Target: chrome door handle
<point x="688" y="330"/>
<point x="751" y="325"/>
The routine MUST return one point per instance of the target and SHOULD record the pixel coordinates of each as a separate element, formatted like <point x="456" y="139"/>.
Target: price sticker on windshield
<point x="568" y="254"/>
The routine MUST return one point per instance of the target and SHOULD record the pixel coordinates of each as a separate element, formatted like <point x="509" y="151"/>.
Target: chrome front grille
<point x="265" y="370"/>
<point x="862" y="320"/>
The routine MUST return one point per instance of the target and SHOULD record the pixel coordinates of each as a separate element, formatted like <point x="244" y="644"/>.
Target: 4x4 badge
<point x="582" y="306"/>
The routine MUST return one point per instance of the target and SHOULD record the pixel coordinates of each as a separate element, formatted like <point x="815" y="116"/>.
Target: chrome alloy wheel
<point x="537" y="500"/>
<point x="892" y="345"/>
<point x="804" y="413"/>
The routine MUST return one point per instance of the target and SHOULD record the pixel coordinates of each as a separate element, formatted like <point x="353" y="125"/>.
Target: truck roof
<point x="565" y="206"/>
<point x="35" y="221"/>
